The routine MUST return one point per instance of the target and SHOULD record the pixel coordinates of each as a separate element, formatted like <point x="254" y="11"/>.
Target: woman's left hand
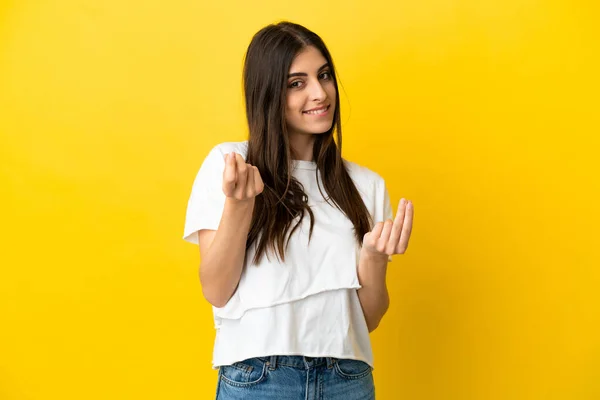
<point x="389" y="238"/>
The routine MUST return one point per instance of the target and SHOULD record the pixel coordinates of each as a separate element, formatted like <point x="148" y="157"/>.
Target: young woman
<point x="294" y="240"/>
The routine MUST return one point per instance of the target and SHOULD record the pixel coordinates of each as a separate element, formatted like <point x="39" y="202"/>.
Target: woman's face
<point x="310" y="94"/>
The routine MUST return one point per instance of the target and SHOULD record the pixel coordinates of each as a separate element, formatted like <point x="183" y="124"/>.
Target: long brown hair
<point x="267" y="63"/>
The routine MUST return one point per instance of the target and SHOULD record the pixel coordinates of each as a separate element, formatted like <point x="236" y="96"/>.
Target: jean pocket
<point x="352" y="369"/>
<point x="244" y="373"/>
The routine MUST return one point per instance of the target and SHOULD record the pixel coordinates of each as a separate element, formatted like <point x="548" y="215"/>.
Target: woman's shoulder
<point x="361" y="174"/>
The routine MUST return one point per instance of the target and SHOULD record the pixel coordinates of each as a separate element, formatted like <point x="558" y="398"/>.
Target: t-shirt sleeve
<point x="387" y="208"/>
<point x="207" y="200"/>
<point x="387" y="205"/>
<point x="383" y="206"/>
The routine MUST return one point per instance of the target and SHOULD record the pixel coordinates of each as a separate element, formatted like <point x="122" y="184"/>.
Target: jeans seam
<point x="354" y="376"/>
<point x="263" y="376"/>
<point x="218" y="384"/>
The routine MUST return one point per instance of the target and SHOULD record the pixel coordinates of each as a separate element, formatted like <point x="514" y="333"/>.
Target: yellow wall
<point x="484" y="113"/>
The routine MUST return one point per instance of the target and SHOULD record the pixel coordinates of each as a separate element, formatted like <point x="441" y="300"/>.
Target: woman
<point x="294" y="240"/>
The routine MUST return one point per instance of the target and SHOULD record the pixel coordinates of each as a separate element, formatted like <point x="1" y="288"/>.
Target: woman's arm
<point x="222" y="252"/>
<point x="386" y="239"/>
<point x="373" y="294"/>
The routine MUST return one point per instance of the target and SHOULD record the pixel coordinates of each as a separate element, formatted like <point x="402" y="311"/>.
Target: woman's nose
<point x="317" y="92"/>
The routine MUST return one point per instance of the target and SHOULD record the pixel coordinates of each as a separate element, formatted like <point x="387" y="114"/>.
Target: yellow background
<point x="484" y="113"/>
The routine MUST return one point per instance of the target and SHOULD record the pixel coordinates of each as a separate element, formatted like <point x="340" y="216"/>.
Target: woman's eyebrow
<point x="305" y="74"/>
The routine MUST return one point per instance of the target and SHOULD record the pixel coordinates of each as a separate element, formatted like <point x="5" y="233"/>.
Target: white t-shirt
<point x="308" y="305"/>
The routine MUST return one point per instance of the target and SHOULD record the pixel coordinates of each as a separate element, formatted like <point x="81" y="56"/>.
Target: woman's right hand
<point x="241" y="181"/>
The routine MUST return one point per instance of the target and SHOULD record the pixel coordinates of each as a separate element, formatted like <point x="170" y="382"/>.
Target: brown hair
<point x="266" y="65"/>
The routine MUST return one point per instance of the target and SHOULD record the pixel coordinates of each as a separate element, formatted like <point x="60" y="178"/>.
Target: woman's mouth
<point x="319" y="111"/>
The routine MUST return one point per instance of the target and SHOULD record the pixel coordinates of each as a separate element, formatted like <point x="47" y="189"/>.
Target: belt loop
<point x="330" y="362"/>
<point x="272" y="362"/>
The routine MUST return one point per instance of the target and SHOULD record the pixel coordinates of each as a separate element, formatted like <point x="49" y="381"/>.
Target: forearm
<point x="221" y="266"/>
<point x="373" y="295"/>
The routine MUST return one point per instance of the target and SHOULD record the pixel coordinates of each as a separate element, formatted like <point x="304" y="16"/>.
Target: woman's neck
<point x="302" y="146"/>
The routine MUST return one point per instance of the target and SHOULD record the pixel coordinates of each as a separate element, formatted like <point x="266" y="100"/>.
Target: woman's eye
<point x="325" y="75"/>
<point x="295" y="84"/>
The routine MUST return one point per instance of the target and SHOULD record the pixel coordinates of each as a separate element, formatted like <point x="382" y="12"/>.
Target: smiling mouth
<point x="321" y="111"/>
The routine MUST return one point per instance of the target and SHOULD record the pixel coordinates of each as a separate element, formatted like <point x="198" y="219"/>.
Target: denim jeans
<point x="296" y="378"/>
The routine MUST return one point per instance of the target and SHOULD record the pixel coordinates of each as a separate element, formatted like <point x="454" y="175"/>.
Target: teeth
<point x="317" y="112"/>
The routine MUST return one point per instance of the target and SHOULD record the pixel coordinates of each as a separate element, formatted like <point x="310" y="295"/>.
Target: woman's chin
<point x="312" y="130"/>
<point x="318" y="130"/>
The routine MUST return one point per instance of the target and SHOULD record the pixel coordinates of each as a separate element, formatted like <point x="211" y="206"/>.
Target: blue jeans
<point x="296" y="378"/>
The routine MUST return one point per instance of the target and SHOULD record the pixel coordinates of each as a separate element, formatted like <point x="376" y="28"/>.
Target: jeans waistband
<point x="300" y="362"/>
